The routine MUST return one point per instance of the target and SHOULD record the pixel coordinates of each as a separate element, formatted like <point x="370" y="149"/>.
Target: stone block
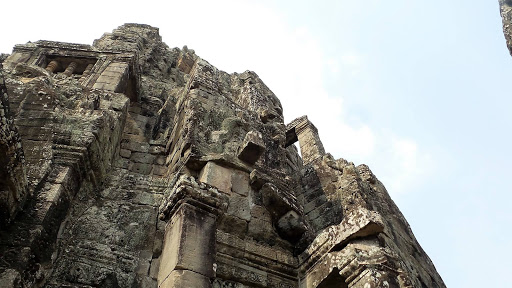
<point x="112" y="78"/>
<point x="261" y="213"/>
<point x="250" y="276"/>
<point x="239" y="206"/>
<point x="54" y="193"/>
<point x="233" y="225"/>
<point x="325" y="210"/>
<point x="260" y="229"/>
<point x="135" y="146"/>
<point x="122" y="163"/>
<point x="252" y="147"/>
<point x="286" y="257"/>
<point x="240" y="183"/>
<point x="145" y="198"/>
<point x="141" y="168"/>
<point x="278" y="202"/>
<point x="317" y="202"/>
<point x="321" y="222"/>
<point x="140" y="157"/>
<point x="125" y="153"/>
<point x="143" y="267"/>
<point x="217" y="176"/>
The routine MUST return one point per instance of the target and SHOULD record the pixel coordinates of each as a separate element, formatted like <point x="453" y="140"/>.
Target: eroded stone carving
<point x="52" y="66"/>
<point x="13" y="181"/>
<point x="70" y="69"/>
<point x="148" y="167"/>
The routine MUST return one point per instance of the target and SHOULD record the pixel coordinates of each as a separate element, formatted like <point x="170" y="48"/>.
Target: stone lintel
<point x="356" y="266"/>
<point x="359" y="223"/>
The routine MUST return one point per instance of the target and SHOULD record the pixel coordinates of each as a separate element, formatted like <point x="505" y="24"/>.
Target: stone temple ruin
<point x="130" y="164"/>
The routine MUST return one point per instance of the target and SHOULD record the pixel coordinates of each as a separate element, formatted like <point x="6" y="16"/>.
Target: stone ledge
<point x="186" y="190"/>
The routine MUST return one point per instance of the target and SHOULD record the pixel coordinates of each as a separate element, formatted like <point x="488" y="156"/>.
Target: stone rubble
<point x="131" y="164"/>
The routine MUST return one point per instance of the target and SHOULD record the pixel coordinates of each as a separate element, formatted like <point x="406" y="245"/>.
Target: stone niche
<point x="69" y="65"/>
<point x="93" y="68"/>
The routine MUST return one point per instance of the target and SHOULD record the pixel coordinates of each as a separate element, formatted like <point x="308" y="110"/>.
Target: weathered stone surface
<point x="189" y="244"/>
<point x="13" y="181"/>
<point x="506" y="15"/>
<point x="217" y="176"/>
<point x="130" y="164"/>
<point x="252" y="147"/>
<point x="185" y="278"/>
<point x="10" y="278"/>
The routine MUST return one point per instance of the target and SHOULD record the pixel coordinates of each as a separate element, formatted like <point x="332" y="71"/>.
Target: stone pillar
<point x="188" y="254"/>
<point x="70" y="69"/>
<point x="52" y="66"/>
<point x="311" y="146"/>
<point x="87" y="71"/>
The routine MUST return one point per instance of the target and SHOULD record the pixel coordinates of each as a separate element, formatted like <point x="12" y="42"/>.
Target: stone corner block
<point x="252" y="147"/>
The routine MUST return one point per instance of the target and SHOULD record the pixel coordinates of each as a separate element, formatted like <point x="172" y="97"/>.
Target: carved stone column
<point x="52" y="66"/>
<point x="70" y="69"/>
<point x="87" y="71"/>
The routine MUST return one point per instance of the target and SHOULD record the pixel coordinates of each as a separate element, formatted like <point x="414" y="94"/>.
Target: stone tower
<point x="130" y="164"/>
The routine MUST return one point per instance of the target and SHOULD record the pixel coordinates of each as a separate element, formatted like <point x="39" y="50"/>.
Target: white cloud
<point x="334" y="65"/>
<point x="352" y="62"/>
<point x="404" y="165"/>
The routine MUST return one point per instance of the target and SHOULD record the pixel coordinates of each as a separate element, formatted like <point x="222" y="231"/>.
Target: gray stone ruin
<point x="131" y="164"/>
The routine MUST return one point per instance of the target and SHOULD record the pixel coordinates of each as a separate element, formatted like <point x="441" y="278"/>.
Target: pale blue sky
<point x="416" y="90"/>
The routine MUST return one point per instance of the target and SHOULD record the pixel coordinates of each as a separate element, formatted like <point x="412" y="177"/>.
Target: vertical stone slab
<point x="311" y="146"/>
<point x="189" y="249"/>
<point x="13" y="181"/>
<point x="113" y="78"/>
<point x="305" y="132"/>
